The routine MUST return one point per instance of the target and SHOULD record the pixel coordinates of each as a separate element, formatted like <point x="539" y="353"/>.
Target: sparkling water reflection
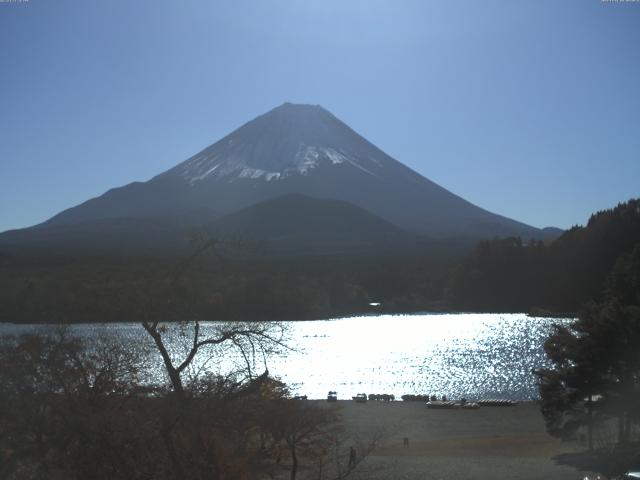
<point x="458" y="355"/>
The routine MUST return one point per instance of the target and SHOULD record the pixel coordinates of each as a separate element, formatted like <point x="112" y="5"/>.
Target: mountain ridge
<point x="299" y="224"/>
<point x="298" y="149"/>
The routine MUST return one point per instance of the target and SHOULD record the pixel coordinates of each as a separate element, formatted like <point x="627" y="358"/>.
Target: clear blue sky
<point x="528" y="109"/>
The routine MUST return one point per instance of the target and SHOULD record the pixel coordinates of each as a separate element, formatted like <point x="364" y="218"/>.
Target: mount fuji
<point x="289" y="151"/>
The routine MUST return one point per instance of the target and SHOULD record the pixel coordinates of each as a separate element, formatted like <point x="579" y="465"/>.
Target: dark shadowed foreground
<point x="76" y="409"/>
<point x="73" y="409"/>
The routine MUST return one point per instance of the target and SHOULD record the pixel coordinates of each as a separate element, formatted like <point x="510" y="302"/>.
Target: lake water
<point x="458" y="355"/>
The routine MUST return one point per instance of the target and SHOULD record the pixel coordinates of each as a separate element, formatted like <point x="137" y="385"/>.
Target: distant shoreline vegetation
<point x="502" y="275"/>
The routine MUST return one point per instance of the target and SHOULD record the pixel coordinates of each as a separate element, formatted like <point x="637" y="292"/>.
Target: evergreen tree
<point x="596" y="360"/>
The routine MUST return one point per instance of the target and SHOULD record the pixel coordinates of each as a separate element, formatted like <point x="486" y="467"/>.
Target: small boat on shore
<point x="442" y="405"/>
<point x="497" y="403"/>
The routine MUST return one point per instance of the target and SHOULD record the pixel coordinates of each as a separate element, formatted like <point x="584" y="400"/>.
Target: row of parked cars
<point x="362" y="397"/>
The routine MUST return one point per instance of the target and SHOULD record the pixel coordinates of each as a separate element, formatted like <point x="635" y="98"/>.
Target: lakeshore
<point x="469" y="355"/>
<point x="488" y="443"/>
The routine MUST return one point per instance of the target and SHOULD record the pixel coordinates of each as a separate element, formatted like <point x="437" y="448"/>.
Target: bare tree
<point x="252" y="341"/>
<point x="302" y="429"/>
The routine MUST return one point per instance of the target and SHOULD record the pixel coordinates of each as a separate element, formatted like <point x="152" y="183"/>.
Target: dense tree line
<point x="514" y="275"/>
<point x="108" y="289"/>
<point x="500" y="275"/>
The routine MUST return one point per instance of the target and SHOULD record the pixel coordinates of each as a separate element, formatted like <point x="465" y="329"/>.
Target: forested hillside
<point x="514" y="275"/>
<point x="508" y="275"/>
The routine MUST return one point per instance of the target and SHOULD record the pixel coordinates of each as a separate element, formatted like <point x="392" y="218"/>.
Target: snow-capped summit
<point x="296" y="149"/>
<point x="287" y="141"/>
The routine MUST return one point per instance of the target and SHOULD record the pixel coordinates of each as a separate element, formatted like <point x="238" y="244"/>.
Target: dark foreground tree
<point x="76" y="408"/>
<point x="69" y="409"/>
<point x="595" y="378"/>
<point x="187" y="345"/>
<point x="596" y="367"/>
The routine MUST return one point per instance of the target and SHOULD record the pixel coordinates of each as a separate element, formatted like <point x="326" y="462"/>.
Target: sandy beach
<point x="489" y="443"/>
